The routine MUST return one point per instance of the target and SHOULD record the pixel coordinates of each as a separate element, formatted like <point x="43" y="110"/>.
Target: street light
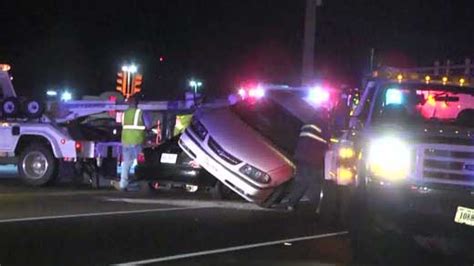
<point x="130" y="68"/>
<point x="194" y="84"/>
<point x="129" y="71"/>
<point x="52" y="93"/>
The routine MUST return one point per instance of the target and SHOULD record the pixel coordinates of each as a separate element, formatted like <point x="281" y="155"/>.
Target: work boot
<point x="116" y="185"/>
<point x="285" y="207"/>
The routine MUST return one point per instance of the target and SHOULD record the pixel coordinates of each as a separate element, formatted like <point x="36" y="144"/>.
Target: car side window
<point x="363" y="110"/>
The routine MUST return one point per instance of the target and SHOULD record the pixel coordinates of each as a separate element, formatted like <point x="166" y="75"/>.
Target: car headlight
<point x="389" y="158"/>
<point x="255" y="174"/>
<point x="199" y="129"/>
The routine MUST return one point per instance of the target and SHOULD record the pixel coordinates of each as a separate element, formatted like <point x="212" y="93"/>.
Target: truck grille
<point x="215" y="147"/>
<point x="446" y="163"/>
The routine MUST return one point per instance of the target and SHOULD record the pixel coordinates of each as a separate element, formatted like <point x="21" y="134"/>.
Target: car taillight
<point x="141" y="158"/>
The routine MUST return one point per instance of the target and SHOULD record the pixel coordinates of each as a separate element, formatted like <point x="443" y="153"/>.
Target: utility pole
<point x="309" y="40"/>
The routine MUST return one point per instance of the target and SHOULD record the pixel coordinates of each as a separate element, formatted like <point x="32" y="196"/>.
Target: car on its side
<point x="249" y="145"/>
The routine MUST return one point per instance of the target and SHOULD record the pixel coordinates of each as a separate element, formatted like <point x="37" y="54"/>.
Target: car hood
<point x="243" y="142"/>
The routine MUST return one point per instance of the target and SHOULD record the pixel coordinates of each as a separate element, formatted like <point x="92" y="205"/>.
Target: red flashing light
<point x="162" y="59"/>
<point x="78" y="146"/>
<point x="318" y="95"/>
<point x="63" y="141"/>
<point x="242" y="93"/>
<point x="257" y="92"/>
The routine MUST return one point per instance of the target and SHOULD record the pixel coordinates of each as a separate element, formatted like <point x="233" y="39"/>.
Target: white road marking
<point x="230" y="249"/>
<point x="80" y="215"/>
<point x="59" y="193"/>
<point x="192" y="203"/>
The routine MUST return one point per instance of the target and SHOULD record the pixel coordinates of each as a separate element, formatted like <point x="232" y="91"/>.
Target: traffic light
<point x="122" y="82"/>
<point x="137" y="83"/>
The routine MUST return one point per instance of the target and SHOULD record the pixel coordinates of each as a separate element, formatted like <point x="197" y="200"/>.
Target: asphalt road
<point x="66" y="225"/>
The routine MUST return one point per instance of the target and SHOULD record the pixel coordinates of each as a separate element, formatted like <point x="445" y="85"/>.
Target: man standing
<point x="309" y="158"/>
<point x="133" y="137"/>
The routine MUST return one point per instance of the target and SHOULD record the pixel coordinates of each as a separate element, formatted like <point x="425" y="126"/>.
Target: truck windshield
<point x="272" y="121"/>
<point x="426" y="103"/>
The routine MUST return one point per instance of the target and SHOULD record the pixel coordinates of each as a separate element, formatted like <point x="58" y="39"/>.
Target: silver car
<point x="248" y="146"/>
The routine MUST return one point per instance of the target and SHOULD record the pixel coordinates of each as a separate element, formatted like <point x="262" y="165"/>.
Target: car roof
<point x="295" y="104"/>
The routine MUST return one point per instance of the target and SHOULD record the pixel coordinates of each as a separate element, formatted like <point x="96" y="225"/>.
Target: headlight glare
<point x="389" y="158"/>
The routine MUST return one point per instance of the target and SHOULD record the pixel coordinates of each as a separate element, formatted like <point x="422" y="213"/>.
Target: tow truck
<point x="405" y="165"/>
<point x="39" y="138"/>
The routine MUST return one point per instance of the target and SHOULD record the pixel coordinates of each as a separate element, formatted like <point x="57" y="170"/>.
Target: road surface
<point x="67" y="225"/>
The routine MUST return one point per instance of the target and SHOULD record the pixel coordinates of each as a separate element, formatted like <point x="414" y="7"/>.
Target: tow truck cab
<point x="408" y="157"/>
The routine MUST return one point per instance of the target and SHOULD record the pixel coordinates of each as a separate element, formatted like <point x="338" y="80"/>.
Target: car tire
<point x="32" y="109"/>
<point x="221" y="191"/>
<point x="146" y="188"/>
<point x="10" y="107"/>
<point x="334" y="204"/>
<point x="37" y="165"/>
<point x="276" y="197"/>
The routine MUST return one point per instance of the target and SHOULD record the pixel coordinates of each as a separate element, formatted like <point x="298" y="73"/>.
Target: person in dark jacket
<point x="309" y="159"/>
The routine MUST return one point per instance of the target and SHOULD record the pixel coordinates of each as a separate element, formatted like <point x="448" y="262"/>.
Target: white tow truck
<point x="38" y="139"/>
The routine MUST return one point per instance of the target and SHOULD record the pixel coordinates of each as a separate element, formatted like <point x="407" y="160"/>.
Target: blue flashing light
<point x="393" y="96"/>
<point x="66" y="96"/>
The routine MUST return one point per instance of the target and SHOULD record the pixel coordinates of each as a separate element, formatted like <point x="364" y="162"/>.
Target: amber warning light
<point x="5" y="67"/>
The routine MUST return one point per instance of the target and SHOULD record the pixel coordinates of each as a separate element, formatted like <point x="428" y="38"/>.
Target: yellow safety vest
<point x="133" y="128"/>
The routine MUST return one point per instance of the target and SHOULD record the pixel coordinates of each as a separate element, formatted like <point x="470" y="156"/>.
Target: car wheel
<point x="147" y="188"/>
<point x="334" y="204"/>
<point x="191" y="188"/>
<point x="32" y="109"/>
<point x="11" y="107"/>
<point x="221" y="191"/>
<point x="276" y="197"/>
<point x="37" y="165"/>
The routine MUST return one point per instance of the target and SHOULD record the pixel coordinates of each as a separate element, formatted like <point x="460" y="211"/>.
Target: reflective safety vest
<point x="311" y="145"/>
<point x="313" y="132"/>
<point x="133" y="128"/>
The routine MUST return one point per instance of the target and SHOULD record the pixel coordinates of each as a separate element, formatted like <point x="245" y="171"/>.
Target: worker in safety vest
<point x="133" y="137"/>
<point x="309" y="160"/>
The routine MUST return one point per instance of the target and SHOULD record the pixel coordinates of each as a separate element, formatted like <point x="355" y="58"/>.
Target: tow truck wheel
<point x="37" y="165"/>
<point x="32" y="109"/>
<point x="10" y="107"/>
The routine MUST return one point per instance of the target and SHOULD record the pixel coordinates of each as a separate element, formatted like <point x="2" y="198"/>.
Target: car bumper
<point x="423" y="211"/>
<point x="174" y="173"/>
<point x="238" y="184"/>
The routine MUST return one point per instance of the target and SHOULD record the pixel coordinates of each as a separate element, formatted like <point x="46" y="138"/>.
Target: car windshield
<point x="426" y="104"/>
<point x="272" y="121"/>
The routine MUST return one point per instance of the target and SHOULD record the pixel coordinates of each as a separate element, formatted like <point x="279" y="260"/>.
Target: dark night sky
<point x="81" y="44"/>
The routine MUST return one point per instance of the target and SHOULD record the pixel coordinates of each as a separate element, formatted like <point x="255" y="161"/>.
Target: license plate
<point x="169" y="158"/>
<point x="464" y="216"/>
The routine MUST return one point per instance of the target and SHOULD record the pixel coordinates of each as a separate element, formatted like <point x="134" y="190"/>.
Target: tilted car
<point x="249" y="145"/>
